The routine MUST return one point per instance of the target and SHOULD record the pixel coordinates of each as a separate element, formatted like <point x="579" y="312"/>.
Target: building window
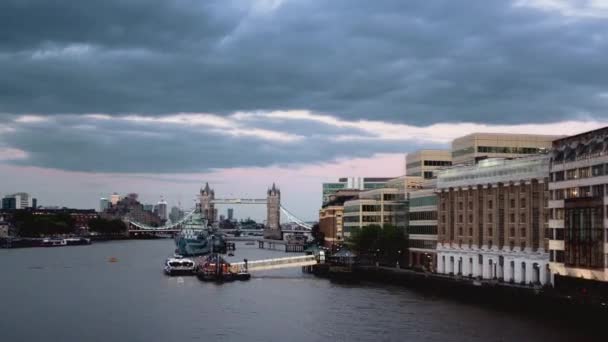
<point x="512" y="218"/>
<point x="571" y="174"/>
<point x="522" y="232"/>
<point x="489" y="204"/>
<point x="597" y="191"/>
<point x="470" y="205"/>
<point x="559" y="176"/>
<point x="522" y="218"/>
<point x="584" y="172"/>
<point x="559" y="256"/>
<point x="470" y="231"/>
<point x="460" y="218"/>
<point x="460" y="231"/>
<point x="597" y="170"/>
<point x="490" y="231"/>
<point x="512" y="203"/>
<point x="522" y="202"/>
<point x="512" y="232"/>
<point x="490" y="217"/>
<point x="459" y="205"/>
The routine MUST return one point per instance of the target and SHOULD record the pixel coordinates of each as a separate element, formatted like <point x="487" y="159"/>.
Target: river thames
<point x="75" y="294"/>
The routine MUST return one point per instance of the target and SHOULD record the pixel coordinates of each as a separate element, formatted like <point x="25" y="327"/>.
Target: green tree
<point x="30" y="225"/>
<point x="107" y="227"/>
<point x="317" y="235"/>
<point x="387" y="243"/>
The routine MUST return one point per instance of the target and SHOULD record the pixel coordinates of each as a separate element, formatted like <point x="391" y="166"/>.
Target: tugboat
<point x="177" y="265"/>
<point x="215" y="268"/>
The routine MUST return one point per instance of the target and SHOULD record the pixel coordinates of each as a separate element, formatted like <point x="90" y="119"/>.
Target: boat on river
<point x="196" y="239"/>
<point x="178" y="265"/>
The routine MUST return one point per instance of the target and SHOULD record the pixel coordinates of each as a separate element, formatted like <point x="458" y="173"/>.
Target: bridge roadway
<point x="272" y="264"/>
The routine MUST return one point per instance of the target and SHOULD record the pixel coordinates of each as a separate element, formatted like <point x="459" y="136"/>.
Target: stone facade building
<point x="491" y="220"/>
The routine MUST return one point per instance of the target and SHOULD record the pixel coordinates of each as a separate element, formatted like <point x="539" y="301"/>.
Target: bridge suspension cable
<point x="295" y="219"/>
<point x="166" y="226"/>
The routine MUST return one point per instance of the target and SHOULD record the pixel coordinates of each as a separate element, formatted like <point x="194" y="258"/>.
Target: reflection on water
<point x="75" y="294"/>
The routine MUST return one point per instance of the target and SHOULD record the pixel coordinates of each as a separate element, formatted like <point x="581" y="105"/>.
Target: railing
<point x="269" y="264"/>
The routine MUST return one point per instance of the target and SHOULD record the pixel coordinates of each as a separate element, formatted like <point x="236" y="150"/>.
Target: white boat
<point x="177" y="265"/>
<point x="54" y="242"/>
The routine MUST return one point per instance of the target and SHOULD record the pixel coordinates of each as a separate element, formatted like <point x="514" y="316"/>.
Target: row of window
<point x="423" y="215"/>
<point x="489" y="244"/>
<point x="578" y="192"/>
<point x="582" y="172"/>
<point x="489" y="230"/>
<point x="423" y="201"/>
<point x="437" y="163"/>
<point x="428" y="230"/>
<point x="426" y="244"/>
<point x="507" y="149"/>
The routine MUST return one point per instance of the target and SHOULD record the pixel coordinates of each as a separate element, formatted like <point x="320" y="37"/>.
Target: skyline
<point x="160" y="98"/>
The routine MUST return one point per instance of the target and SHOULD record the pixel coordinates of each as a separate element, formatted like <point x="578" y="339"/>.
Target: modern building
<point x="9" y="203"/>
<point x="358" y="183"/>
<point x="34" y="203"/>
<point x="578" y="209"/>
<point x="161" y="208"/>
<point x="114" y="198"/>
<point x="149" y="207"/>
<point x="422" y="229"/>
<point x="104" y="203"/>
<point x="472" y="148"/>
<point x="492" y="220"/>
<point x="330" y="217"/>
<point x="230" y="214"/>
<point x="425" y="163"/>
<point x="176" y="214"/>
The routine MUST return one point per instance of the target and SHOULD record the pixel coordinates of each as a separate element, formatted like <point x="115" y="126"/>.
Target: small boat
<point x="179" y="266"/>
<point x="54" y="242"/>
<point x="77" y="241"/>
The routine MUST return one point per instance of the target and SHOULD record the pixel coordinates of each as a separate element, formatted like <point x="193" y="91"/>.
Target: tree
<point x="317" y="235"/>
<point x="30" y="225"/>
<point x="107" y="227"/>
<point x="386" y="243"/>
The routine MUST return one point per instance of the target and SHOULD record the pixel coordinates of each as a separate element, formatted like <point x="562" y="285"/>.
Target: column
<point x="440" y="265"/>
<point x="465" y="266"/>
<point x="529" y="272"/>
<point x="542" y="273"/>
<point x="507" y="270"/>
<point x="518" y="271"/>
<point x="485" y="274"/>
<point x="476" y="272"/>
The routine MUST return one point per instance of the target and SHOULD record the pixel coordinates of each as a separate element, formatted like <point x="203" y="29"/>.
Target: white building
<point x="161" y="208"/>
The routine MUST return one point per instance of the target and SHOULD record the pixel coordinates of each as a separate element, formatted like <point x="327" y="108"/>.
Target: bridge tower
<point x="273" y="217"/>
<point x="207" y="208"/>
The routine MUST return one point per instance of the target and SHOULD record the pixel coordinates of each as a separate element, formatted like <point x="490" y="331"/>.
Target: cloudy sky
<point x="158" y="96"/>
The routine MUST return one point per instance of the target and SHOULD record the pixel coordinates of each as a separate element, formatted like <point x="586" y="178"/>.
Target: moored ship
<point x="196" y="239"/>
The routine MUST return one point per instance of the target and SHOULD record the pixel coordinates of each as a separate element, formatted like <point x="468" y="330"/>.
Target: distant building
<point x="20" y="200"/>
<point x="104" y="203"/>
<point x="331" y="217"/>
<point x="149" y="207"/>
<point x="9" y="203"/>
<point x="222" y="217"/>
<point x="359" y="183"/>
<point x="34" y="203"/>
<point x="129" y="209"/>
<point x="115" y="198"/>
<point x="472" y="148"/>
<point x="230" y="214"/>
<point x="161" y="208"/>
<point x="176" y="214"/>
<point x="425" y="163"/>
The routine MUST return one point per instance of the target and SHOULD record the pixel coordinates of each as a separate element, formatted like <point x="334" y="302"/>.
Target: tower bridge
<point x="206" y="207"/>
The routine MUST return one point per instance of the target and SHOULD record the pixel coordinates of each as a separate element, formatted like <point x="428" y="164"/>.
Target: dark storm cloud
<point x="117" y="145"/>
<point x="416" y="62"/>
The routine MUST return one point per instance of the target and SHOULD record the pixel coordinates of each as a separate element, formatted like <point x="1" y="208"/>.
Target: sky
<point x="158" y="97"/>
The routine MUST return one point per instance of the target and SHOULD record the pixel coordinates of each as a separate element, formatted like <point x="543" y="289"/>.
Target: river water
<point x="74" y="294"/>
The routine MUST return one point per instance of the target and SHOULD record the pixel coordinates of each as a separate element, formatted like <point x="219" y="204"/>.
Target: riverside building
<point x="381" y="206"/>
<point x="472" y="148"/>
<point x="579" y="209"/>
<point x="357" y="183"/>
<point x="422" y="228"/>
<point x="491" y="220"/>
<point x="331" y="217"/>
<point x="425" y="163"/>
